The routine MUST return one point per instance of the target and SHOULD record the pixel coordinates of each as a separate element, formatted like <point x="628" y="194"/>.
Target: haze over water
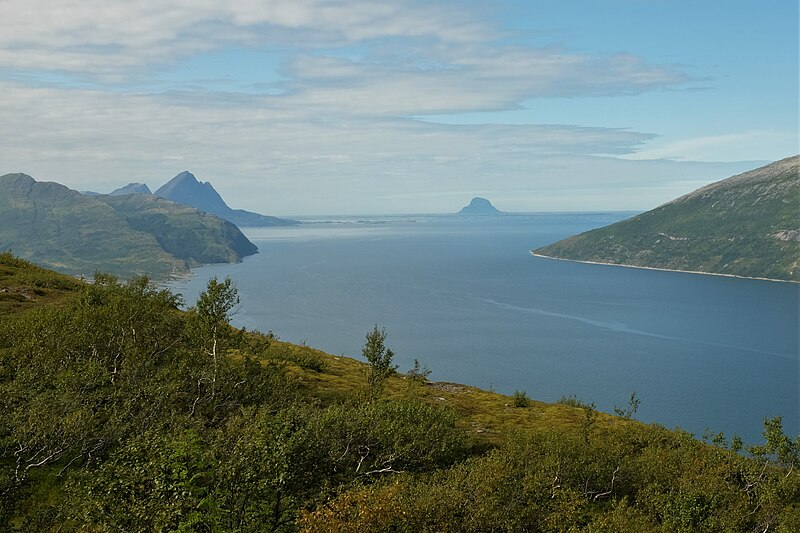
<point x="466" y="298"/>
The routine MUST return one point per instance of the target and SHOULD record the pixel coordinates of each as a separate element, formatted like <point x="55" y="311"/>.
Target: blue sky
<point x="367" y="106"/>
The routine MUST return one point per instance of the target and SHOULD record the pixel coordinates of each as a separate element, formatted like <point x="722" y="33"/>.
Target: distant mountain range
<point x="479" y="206"/>
<point x="186" y="189"/>
<point x="132" y="188"/>
<point x="62" y="229"/>
<point x="747" y="225"/>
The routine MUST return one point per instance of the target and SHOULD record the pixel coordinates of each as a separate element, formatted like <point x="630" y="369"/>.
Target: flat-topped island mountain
<point x="479" y="206"/>
<point x="187" y="190"/>
<point x="124" y="235"/>
<point x="746" y="225"/>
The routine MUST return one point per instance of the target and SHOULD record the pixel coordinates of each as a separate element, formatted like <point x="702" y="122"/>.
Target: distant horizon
<point x="619" y="209"/>
<point x="311" y="106"/>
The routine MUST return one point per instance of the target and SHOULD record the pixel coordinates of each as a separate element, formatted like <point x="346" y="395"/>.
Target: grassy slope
<point x="730" y="227"/>
<point x="488" y="417"/>
<point x="24" y="285"/>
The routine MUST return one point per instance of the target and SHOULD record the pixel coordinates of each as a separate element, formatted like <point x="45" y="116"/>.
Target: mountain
<point x="746" y="225"/>
<point x="480" y="206"/>
<point x="183" y="231"/>
<point x="187" y="190"/>
<point x="132" y="188"/>
<point x="61" y="229"/>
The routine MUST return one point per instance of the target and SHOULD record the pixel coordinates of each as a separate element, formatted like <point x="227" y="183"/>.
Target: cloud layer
<point x="333" y="129"/>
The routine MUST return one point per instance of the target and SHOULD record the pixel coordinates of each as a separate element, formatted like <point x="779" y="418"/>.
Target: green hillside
<point x="59" y="228"/>
<point x="183" y="231"/>
<point x="746" y="225"/>
<point x="118" y="412"/>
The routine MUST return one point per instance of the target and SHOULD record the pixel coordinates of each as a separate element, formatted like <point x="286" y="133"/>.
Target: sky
<point x="300" y="107"/>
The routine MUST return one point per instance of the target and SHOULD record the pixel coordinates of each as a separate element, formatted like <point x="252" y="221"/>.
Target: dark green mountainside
<point x="125" y="235"/>
<point x="183" y="231"/>
<point x="747" y="225"/>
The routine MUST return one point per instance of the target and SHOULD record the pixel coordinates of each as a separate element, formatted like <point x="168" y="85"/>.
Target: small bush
<point x="521" y="399"/>
<point x="574" y="401"/>
<point x="418" y="373"/>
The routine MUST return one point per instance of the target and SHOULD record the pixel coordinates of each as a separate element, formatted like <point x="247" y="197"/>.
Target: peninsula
<point x="747" y="225"/>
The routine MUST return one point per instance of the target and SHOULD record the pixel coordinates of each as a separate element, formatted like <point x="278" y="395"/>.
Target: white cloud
<point x="272" y="155"/>
<point x="337" y="138"/>
<point x="749" y="145"/>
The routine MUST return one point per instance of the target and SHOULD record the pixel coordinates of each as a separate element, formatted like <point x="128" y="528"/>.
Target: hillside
<point x="183" y="231"/>
<point x="187" y="190"/>
<point x="57" y="227"/>
<point x="118" y="412"/>
<point x="747" y="225"/>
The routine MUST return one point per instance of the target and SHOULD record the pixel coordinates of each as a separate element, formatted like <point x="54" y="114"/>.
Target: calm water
<point x="466" y="298"/>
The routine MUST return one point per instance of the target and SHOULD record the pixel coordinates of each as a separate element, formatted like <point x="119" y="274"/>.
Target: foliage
<point x="378" y="356"/>
<point x="118" y="412"/>
<point x="521" y="399"/>
<point x="644" y="479"/>
<point x="418" y="373"/>
<point x="574" y="401"/>
<point x="630" y="410"/>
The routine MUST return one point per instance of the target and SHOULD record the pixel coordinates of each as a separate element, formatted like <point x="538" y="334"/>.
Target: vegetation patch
<point x="119" y="412"/>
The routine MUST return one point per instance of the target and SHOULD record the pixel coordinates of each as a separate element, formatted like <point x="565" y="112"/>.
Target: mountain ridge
<point x="62" y="229"/>
<point x="746" y="225"/>
<point x="186" y="189"/>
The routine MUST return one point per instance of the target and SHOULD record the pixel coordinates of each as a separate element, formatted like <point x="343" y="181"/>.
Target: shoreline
<point x="660" y="269"/>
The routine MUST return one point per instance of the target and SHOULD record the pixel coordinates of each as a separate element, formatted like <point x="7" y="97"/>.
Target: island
<point x="480" y="206"/>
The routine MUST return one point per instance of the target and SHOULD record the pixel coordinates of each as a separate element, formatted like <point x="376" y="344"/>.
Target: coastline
<point x="660" y="269"/>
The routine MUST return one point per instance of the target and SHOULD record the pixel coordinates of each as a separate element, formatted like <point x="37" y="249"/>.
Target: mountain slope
<point x="746" y="225"/>
<point x="187" y="190"/>
<point x="183" y="231"/>
<point x="57" y="227"/>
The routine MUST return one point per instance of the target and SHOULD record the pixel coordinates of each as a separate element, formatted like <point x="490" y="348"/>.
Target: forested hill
<point x="118" y="412"/>
<point x="746" y="225"/>
<point x="140" y="233"/>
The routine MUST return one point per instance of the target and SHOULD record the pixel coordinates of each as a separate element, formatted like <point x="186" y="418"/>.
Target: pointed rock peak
<point x="184" y="176"/>
<point x="479" y="206"/>
<point x="132" y="188"/>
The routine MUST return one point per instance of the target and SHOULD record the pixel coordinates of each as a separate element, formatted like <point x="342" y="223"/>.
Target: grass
<point x="487" y="416"/>
<point x="24" y="285"/>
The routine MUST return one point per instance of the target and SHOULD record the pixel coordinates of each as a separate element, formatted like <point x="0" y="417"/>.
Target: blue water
<point x="466" y="298"/>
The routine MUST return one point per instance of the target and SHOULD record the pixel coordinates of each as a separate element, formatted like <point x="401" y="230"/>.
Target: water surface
<point x="466" y="298"/>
